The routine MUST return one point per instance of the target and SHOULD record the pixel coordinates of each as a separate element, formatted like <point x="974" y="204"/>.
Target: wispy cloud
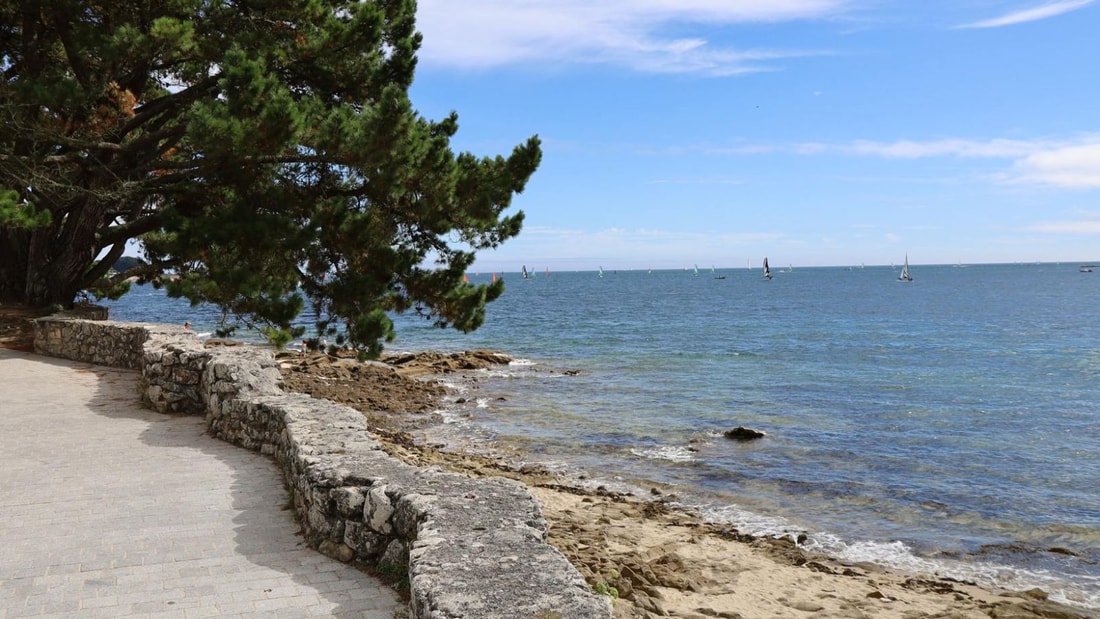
<point x="1086" y="224"/>
<point x="1068" y="163"/>
<point x="1072" y="164"/>
<point x="911" y="149"/>
<point x="1068" y="166"/>
<point x="1043" y="11"/>
<point x="481" y="34"/>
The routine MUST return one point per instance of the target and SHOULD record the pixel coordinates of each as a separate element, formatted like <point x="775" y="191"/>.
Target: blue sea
<point x="946" y="426"/>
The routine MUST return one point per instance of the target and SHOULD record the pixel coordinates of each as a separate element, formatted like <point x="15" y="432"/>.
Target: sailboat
<point x="767" y="270"/>
<point x="905" y="276"/>
<point x="601" y="272"/>
<point x="715" y="273"/>
<point x="526" y="275"/>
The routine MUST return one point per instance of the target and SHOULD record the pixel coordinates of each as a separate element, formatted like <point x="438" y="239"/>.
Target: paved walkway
<point x="111" y="510"/>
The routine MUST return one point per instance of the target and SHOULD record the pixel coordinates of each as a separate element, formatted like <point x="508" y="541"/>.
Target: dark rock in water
<point x="741" y="433"/>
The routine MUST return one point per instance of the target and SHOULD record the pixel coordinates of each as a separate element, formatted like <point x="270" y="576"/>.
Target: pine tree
<point x="264" y="153"/>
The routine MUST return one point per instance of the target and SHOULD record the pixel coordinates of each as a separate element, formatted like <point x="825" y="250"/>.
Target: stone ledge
<point x="471" y="547"/>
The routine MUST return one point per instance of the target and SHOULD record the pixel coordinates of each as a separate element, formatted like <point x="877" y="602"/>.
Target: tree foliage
<point x="264" y="153"/>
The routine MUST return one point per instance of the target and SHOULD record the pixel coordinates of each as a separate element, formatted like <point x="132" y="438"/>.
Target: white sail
<point x="905" y="277"/>
<point x="767" y="271"/>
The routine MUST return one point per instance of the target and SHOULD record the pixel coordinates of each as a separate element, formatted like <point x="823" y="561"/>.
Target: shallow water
<point x="947" y="425"/>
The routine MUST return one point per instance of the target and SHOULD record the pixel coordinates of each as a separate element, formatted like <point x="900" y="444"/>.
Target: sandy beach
<point x="660" y="561"/>
<point x="654" y="559"/>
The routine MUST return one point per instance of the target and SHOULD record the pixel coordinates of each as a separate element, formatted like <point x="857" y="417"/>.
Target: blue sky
<point x="814" y="132"/>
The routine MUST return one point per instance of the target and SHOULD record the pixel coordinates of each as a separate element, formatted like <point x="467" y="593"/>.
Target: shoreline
<point x="657" y="559"/>
<point x="661" y="561"/>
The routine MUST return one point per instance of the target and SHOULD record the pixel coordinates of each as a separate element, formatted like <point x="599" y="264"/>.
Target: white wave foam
<point x="456" y="387"/>
<point x="503" y="373"/>
<point x="450" y="416"/>
<point x="1081" y="591"/>
<point x="749" y="522"/>
<point x="670" y="453"/>
<point x="521" y="362"/>
<point x="483" y="402"/>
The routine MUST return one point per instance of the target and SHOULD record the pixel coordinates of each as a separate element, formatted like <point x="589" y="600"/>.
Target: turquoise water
<point x="947" y="425"/>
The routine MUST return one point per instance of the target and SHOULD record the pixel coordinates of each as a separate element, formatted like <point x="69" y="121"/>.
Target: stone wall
<point x="116" y="344"/>
<point x="471" y="547"/>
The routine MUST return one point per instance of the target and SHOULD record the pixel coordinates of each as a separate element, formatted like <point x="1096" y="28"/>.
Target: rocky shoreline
<point x="654" y="559"/>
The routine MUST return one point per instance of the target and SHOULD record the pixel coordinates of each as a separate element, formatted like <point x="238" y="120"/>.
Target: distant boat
<point x="601" y="273"/>
<point x="548" y="271"/>
<point x="696" y="270"/>
<point x="767" y="270"/>
<point x="1086" y="268"/>
<point x="905" y="276"/>
<point x="715" y="273"/>
<point x="526" y="275"/>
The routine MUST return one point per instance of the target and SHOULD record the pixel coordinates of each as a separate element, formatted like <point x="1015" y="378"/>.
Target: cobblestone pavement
<point x="111" y="510"/>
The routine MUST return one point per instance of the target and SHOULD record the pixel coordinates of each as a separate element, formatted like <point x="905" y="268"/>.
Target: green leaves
<point x="17" y="214"/>
<point x="267" y="156"/>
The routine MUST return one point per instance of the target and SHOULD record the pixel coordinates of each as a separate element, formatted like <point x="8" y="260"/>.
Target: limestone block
<point x="349" y="501"/>
<point x="337" y="550"/>
<point x="411" y="509"/>
<point x="367" y="544"/>
<point x="378" y="511"/>
<point x="395" y="555"/>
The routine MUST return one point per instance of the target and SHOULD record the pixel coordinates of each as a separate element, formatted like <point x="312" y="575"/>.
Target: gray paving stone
<point x="111" y="510"/>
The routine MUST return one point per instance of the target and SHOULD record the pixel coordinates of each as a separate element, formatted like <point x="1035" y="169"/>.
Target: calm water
<point x="948" y="425"/>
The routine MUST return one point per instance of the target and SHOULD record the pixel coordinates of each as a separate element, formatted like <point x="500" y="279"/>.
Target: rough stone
<point x="741" y="433"/>
<point x="355" y="502"/>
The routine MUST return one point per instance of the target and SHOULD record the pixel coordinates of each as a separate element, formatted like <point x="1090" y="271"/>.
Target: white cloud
<point x="1088" y="226"/>
<point x="1070" y="166"/>
<point x="908" y="149"/>
<point x="1043" y="11"/>
<point x="479" y="34"/>
<point x="1069" y="163"/>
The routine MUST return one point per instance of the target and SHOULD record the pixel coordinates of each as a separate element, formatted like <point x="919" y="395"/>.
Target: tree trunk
<point x="37" y="271"/>
<point x="14" y="243"/>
